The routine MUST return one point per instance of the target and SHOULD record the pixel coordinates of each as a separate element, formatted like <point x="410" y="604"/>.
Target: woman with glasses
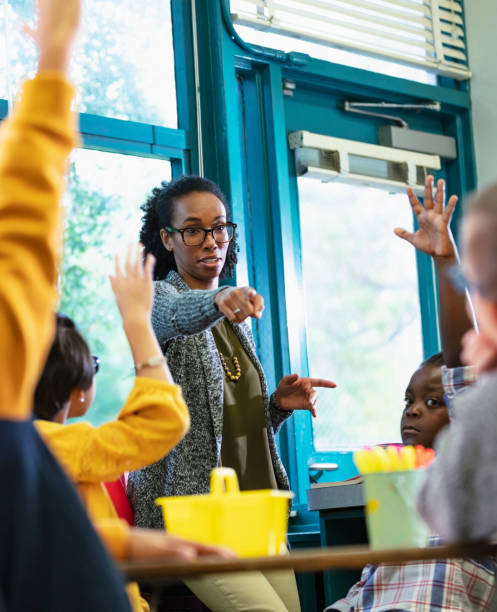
<point x="210" y="351"/>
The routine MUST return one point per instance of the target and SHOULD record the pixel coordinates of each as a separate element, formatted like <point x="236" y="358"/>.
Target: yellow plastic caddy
<point x="251" y="523"/>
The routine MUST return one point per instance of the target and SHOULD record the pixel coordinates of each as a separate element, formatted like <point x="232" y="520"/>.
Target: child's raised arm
<point x="55" y="32"/>
<point x="35" y="144"/>
<point x="435" y="238"/>
<point x="134" y="293"/>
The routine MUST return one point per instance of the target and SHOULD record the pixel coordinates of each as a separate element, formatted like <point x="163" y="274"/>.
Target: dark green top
<point x="245" y="445"/>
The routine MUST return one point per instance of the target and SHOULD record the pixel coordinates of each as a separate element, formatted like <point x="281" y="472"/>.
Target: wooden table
<point x="310" y="560"/>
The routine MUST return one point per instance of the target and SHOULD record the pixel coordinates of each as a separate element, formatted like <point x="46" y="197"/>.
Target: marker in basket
<point x="393" y="458"/>
<point x="408" y="457"/>
<point x="396" y="464"/>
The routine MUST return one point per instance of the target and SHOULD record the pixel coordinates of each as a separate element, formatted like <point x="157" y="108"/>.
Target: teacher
<point x="201" y="327"/>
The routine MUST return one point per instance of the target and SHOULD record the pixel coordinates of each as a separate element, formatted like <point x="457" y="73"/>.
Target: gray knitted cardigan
<point x="182" y="319"/>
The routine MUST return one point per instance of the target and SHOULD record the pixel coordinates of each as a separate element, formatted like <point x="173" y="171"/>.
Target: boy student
<point x="459" y="497"/>
<point x="152" y="421"/>
<point x="51" y="559"/>
<point x="448" y="585"/>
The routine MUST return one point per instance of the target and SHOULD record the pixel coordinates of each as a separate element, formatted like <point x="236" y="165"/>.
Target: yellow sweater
<point x="152" y="421"/>
<point x="36" y="142"/>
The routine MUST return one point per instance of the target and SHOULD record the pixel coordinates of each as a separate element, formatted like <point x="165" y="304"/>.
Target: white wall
<point x="481" y="29"/>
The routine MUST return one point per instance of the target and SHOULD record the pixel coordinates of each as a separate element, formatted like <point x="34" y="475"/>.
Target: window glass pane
<point x="362" y="310"/>
<point x="333" y="54"/>
<point x="103" y="214"/>
<point x="123" y="67"/>
<point x="17" y="52"/>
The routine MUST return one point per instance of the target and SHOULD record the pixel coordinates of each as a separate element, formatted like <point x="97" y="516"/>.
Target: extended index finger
<point x="322" y="382"/>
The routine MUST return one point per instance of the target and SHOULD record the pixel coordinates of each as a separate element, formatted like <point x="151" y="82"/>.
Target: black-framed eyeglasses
<point x="195" y="236"/>
<point x="96" y="363"/>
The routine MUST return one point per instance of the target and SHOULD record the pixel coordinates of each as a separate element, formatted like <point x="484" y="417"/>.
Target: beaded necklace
<point x="238" y="372"/>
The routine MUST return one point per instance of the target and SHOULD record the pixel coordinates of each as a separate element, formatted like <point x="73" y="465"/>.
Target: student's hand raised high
<point x="134" y="292"/>
<point x="296" y="393"/>
<point x="238" y="303"/>
<point x="433" y="236"/>
<point x="134" y="288"/>
<point x="55" y="32"/>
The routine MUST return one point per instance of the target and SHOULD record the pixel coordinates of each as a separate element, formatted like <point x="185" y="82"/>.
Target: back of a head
<point x="69" y="366"/>
<point x="481" y="242"/>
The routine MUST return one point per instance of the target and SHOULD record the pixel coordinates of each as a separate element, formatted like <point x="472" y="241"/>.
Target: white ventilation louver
<point x="327" y="158"/>
<point x="422" y="33"/>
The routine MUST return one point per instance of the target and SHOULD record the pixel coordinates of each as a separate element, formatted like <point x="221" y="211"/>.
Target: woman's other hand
<point x="295" y="393"/>
<point x="152" y="543"/>
<point x="433" y="236"/>
<point x="238" y="303"/>
<point x="133" y="288"/>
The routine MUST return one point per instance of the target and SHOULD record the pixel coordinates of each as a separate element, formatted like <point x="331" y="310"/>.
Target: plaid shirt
<point x="445" y="585"/>
<point x="455" y="381"/>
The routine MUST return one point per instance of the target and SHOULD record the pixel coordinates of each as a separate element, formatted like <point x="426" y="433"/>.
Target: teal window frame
<point x="274" y="194"/>
<point x="131" y="138"/>
<point x="179" y="146"/>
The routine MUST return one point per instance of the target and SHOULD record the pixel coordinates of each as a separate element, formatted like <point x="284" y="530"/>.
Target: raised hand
<point x="134" y="292"/>
<point x="433" y="236"/>
<point x="55" y="32"/>
<point x="133" y="288"/>
<point x="238" y="303"/>
<point x="295" y="393"/>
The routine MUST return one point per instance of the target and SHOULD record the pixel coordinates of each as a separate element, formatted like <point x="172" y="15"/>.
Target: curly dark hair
<point x="159" y="209"/>
<point x="69" y="366"/>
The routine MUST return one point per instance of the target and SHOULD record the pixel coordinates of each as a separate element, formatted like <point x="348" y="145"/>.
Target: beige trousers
<point x="274" y="591"/>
